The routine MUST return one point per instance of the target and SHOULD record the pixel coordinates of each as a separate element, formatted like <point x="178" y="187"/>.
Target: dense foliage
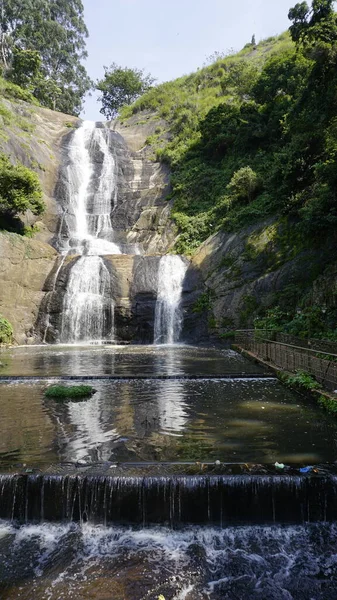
<point x="20" y="189"/>
<point x="6" y="331"/>
<point x="42" y="45"/>
<point x="121" y="86"/>
<point x="255" y="134"/>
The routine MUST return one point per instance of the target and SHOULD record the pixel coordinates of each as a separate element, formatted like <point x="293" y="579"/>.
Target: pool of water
<point x="123" y="361"/>
<point x="67" y="562"/>
<point x="235" y="420"/>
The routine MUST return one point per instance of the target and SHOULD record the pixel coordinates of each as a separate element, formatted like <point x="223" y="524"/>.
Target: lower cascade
<point x="88" y="305"/>
<point x="169" y="315"/>
<point x="176" y="500"/>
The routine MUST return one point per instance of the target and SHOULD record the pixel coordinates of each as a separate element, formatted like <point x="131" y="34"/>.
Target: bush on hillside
<point x="6" y="331"/>
<point x="20" y="189"/>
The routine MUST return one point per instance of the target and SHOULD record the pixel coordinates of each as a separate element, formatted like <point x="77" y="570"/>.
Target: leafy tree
<point x="20" y="189"/>
<point x="121" y="86"/>
<point x="25" y="68"/>
<point x="56" y="30"/>
<point x="311" y="25"/>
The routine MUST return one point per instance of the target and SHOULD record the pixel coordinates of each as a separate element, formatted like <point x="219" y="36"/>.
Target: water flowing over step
<point x="168" y="314"/>
<point x="88" y="306"/>
<point x="212" y="500"/>
<point x="93" y="298"/>
<point x="88" y="309"/>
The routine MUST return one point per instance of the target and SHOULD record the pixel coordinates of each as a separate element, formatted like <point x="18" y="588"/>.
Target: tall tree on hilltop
<point x="56" y="30"/>
<point x="315" y="24"/>
<point x="121" y="86"/>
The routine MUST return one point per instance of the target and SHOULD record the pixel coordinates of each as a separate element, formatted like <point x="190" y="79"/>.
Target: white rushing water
<point x="88" y="310"/>
<point x="92" y="195"/>
<point x="168" y="315"/>
<point x="68" y="561"/>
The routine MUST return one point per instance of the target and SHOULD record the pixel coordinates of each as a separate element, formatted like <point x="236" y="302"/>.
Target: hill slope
<point x="251" y="142"/>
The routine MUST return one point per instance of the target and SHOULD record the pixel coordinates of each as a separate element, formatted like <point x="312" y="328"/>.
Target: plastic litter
<point x="306" y="469"/>
<point x="217" y="462"/>
<point x="279" y="465"/>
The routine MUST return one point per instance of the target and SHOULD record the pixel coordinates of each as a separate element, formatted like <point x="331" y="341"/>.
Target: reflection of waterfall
<point x="168" y="315"/>
<point x="92" y="193"/>
<point x="90" y="439"/>
<point x="172" y="407"/>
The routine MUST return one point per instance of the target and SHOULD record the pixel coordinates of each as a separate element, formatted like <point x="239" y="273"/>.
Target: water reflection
<point x="130" y="421"/>
<point x="172" y="408"/>
<point x="89" y="436"/>
<point x="123" y="361"/>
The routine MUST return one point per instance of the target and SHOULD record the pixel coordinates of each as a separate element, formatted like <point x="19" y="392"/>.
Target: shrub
<point x="301" y="380"/>
<point x="6" y="331"/>
<point x="20" y="189"/>
<point x="329" y="404"/>
<point x="63" y="392"/>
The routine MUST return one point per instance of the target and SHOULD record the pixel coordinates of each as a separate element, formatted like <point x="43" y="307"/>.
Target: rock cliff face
<point x="261" y="266"/>
<point x="34" y="135"/>
<point x="146" y="185"/>
<point x="31" y="270"/>
<point x="134" y="287"/>
<point x="24" y="267"/>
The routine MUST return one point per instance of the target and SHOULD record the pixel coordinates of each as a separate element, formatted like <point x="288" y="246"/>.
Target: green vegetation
<point x="204" y="302"/>
<point x="20" y="190"/>
<point x="329" y="404"/>
<point x="254" y="134"/>
<point x="301" y="380"/>
<point x="42" y="45"/>
<point x="62" y="392"/>
<point x="307" y="322"/>
<point x="6" y="331"/>
<point x="121" y="86"/>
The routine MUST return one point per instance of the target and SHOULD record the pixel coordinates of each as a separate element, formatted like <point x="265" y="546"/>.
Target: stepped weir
<point x="175" y="501"/>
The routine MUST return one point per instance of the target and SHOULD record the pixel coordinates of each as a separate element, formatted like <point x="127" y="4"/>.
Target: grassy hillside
<point x="249" y="136"/>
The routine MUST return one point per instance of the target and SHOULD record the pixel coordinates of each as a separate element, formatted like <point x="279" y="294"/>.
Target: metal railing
<point x="321" y="365"/>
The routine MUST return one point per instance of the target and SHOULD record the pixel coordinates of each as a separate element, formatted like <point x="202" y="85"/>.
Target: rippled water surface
<point x="123" y="361"/>
<point x="63" y="562"/>
<point x="237" y="420"/>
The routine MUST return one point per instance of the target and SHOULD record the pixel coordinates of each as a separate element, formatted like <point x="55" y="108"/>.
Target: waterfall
<point x="92" y="192"/>
<point x="168" y="312"/>
<point x="88" y="309"/>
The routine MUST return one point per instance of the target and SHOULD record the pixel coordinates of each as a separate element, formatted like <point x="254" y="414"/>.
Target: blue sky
<point x="173" y="38"/>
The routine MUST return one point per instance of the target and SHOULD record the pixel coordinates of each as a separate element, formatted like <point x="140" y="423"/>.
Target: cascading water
<point x="168" y="313"/>
<point x="88" y="309"/>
